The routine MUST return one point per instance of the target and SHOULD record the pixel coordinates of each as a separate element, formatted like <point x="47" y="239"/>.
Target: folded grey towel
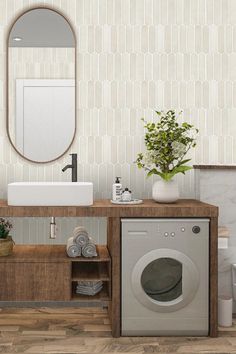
<point x="89" y="283"/>
<point x="88" y="292"/>
<point x="89" y="287"/>
<point x="89" y="250"/>
<point x="72" y="249"/>
<point x="84" y="288"/>
<point x="80" y="236"/>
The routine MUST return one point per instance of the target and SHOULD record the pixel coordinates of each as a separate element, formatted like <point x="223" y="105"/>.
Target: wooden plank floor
<point x="87" y="330"/>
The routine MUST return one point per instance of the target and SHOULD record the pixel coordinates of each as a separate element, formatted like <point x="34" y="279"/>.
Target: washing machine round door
<point x="165" y="280"/>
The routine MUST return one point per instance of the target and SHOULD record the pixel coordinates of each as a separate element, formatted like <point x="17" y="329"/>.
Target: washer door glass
<point x="162" y="279"/>
<point x="165" y="280"/>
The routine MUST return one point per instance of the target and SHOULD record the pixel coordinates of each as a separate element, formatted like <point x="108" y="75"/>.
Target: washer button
<point x="166" y="234"/>
<point x="196" y="229"/>
<point x="172" y="234"/>
<point x="182" y="229"/>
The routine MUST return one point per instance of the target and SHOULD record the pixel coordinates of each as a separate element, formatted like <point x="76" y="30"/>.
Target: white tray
<point x="132" y="202"/>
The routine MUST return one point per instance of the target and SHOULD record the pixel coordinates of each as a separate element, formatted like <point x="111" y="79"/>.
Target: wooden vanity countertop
<point x="104" y="208"/>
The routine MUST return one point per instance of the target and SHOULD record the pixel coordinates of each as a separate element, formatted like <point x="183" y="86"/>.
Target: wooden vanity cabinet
<point x="45" y="273"/>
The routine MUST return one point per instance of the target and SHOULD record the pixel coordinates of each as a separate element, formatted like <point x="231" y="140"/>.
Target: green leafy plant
<point x="167" y="142"/>
<point x="5" y="227"/>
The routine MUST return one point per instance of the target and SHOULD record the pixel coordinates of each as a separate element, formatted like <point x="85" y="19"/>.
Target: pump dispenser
<point x="116" y="189"/>
<point x="126" y="195"/>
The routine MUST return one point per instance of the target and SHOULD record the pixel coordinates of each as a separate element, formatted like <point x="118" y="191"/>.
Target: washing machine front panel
<point x="165" y="278"/>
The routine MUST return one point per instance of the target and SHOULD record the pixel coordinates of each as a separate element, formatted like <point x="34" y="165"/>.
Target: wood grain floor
<point x="87" y="330"/>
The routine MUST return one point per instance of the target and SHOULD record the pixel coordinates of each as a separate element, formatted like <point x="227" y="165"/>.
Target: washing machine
<point x="165" y="277"/>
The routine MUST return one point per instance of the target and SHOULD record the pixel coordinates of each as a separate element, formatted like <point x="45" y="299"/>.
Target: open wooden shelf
<point x="90" y="271"/>
<point x="37" y="254"/>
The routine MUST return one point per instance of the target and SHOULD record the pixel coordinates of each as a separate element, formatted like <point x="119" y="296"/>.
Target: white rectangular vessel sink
<point x="50" y="193"/>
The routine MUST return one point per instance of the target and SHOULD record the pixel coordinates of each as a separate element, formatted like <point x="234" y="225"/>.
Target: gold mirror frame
<point x="7" y="79"/>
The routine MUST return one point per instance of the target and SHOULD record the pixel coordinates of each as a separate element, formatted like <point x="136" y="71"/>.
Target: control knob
<point x="196" y="229"/>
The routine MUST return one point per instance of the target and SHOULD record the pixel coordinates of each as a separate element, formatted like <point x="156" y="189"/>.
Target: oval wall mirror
<point x="41" y="89"/>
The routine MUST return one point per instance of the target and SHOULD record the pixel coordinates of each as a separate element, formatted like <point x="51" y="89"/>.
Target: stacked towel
<point x="72" y="249"/>
<point x="81" y="243"/>
<point x="90" y="288"/>
<point x="89" y="250"/>
<point x="80" y="236"/>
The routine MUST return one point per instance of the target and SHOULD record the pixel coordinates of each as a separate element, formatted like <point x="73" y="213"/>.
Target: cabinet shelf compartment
<point x="90" y="271"/>
<point x="103" y="295"/>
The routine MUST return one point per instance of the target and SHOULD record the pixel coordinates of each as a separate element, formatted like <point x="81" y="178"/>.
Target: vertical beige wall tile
<point x="228" y="39"/>
<point x="234" y="38"/>
<point x="148" y="12"/>
<point x="134" y="56"/>
<point x="163" y="17"/>
<point x="159" y="34"/>
<point x="218" y="7"/>
<point x="140" y="11"/>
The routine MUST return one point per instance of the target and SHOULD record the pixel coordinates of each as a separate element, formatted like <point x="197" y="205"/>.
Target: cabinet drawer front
<point x="35" y="282"/>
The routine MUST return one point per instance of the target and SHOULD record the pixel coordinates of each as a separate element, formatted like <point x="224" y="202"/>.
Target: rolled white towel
<point x="89" y="250"/>
<point x="80" y="236"/>
<point x="72" y="249"/>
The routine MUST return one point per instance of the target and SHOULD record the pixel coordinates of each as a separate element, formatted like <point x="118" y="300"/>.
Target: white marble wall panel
<point x="218" y="187"/>
<point x="135" y="56"/>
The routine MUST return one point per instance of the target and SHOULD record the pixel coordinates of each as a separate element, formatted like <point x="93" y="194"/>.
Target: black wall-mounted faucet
<point x="73" y="167"/>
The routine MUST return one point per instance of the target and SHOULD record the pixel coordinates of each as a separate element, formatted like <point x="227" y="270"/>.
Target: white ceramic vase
<point x="165" y="191"/>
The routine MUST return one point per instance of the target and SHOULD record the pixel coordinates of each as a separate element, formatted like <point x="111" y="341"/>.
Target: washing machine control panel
<point x="195" y="229"/>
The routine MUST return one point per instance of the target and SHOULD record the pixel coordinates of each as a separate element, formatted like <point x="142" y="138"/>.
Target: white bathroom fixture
<point x="50" y="193"/>
<point x="234" y="281"/>
<point x="165" y="277"/>
<point x="223" y="237"/>
<point x="225" y="311"/>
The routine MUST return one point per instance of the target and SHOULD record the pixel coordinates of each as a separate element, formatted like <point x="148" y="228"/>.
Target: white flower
<point x="179" y="149"/>
<point x="191" y="133"/>
<point x="148" y="159"/>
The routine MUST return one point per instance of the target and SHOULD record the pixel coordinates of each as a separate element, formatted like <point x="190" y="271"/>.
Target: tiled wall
<point x="135" y="56"/>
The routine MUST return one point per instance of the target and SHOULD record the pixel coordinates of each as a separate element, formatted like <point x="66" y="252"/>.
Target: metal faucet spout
<point x="73" y="167"/>
<point x="66" y="167"/>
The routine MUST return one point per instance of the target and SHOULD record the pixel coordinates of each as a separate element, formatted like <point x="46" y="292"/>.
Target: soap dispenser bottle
<point x="116" y="190"/>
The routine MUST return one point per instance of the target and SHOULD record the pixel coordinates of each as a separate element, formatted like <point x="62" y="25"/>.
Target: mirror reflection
<point x="41" y="85"/>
